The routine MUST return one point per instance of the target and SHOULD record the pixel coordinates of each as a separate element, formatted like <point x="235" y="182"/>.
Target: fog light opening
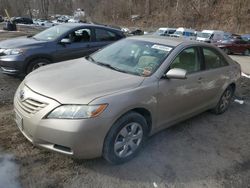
<point x="63" y="148"/>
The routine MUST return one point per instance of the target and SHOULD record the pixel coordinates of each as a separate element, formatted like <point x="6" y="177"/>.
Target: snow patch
<point x="155" y="185"/>
<point x="245" y="75"/>
<point x="239" y="101"/>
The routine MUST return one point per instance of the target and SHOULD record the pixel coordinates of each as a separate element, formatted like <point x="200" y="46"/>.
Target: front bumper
<point x="82" y="138"/>
<point x="13" y="65"/>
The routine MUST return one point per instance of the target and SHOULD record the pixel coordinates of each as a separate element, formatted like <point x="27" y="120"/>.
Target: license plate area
<point x="19" y="121"/>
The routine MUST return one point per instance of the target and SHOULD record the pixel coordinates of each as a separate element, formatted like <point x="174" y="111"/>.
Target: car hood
<point x="79" y="81"/>
<point x="20" y="42"/>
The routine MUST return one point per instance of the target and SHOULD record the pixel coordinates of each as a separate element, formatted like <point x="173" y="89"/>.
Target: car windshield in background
<point x="132" y="56"/>
<point x="178" y="33"/>
<point x="52" y="33"/>
<point x="204" y="35"/>
<point x="160" y="31"/>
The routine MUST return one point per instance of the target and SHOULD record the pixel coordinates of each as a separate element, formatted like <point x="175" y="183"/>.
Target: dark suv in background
<point x="21" y="20"/>
<point x="22" y="55"/>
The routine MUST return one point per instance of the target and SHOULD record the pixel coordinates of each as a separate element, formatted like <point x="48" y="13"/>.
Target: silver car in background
<point x="107" y="104"/>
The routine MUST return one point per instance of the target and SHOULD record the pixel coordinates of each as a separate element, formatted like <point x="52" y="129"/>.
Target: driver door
<point x="180" y="98"/>
<point x="79" y="46"/>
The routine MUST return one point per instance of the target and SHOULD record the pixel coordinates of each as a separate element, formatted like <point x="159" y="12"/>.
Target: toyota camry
<point x="107" y="104"/>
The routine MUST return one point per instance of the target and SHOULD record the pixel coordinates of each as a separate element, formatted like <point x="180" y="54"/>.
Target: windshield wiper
<point x="35" y="38"/>
<point x="111" y="67"/>
<point x="90" y="58"/>
<point x="106" y="65"/>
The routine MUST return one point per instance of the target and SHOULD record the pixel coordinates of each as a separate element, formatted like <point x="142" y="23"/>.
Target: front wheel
<point x="37" y="64"/>
<point x="225" y="101"/>
<point x="125" y="139"/>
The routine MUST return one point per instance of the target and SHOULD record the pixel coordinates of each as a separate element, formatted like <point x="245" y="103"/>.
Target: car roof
<point x="169" y="41"/>
<point x="166" y="28"/>
<point x="185" y="29"/>
<point x="88" y="24"/>
<point x="212" y="31"/>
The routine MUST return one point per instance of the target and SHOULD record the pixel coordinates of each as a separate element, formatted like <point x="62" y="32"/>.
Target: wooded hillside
<point x="228" y="15"/>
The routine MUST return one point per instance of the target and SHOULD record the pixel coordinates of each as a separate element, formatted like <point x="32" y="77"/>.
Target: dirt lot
<point x="205" y="151"/>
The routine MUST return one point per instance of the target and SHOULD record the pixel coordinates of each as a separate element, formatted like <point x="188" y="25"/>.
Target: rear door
<point x="237" y="46"/>
<point x="215" y="74"/>
<point x="243" y="46"/>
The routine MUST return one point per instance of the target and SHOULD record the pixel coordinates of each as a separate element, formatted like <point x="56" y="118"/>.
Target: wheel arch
<point x="146" y="114"/>
<point x="233" y="85"/>
<point x="33" y="58"/>
<point x="143" y="112"/>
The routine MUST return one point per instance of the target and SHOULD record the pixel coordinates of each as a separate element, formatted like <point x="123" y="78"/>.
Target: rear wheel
<point x="125" y="139"/>
<point x="35" y="64"/>
<point x="225" y="101"/>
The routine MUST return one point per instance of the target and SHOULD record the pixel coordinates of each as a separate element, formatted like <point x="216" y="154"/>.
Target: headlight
<point x="11" y="51"/>
<point x="77" y="111"/>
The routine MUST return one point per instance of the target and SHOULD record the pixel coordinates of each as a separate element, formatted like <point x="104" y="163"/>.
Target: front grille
<point x="31" y="106"/>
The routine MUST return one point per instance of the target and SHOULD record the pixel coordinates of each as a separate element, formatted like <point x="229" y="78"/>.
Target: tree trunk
<point x="147" y="7"/>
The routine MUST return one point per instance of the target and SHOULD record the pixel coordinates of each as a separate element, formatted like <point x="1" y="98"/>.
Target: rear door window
<point x="105" y="35"/>
<point x="213" y="59"/>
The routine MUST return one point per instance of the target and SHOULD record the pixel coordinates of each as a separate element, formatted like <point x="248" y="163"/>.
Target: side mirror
<point x="176" y="73"/>
<point x="65" y="41"/>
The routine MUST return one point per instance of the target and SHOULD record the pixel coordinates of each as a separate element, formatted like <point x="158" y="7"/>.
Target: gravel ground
<point x="205" y="151"/>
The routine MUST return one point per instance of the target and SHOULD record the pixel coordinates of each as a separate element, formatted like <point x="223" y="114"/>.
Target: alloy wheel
<point x="128" y="140"/>
<point x="225" y="100"/>
<point x="38" y="65"/>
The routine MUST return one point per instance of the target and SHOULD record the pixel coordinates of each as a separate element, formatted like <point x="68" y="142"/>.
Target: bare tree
<point x="27" y="5"/>
<point x="230" y="15"/>
<point x="147" y="7"/>
<point x="44" y="8"/>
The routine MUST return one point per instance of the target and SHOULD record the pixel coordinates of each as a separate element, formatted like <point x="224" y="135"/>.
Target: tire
<point x="247" y="52"/>
<point x="37" y="63"/>
<point x="224" y="101"/>
<point x="122" y="143"/>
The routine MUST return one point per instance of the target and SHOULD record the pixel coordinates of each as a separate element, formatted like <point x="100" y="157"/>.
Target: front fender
<point x="145" y="97"/>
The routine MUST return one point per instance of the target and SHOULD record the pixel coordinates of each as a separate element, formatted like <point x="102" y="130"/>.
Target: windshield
<point x="178" y="32"/>
<point x="204" y="35"/>
<point x="52" y="33"/>
<point x="132" y="56"/>
<point x="160" y="31"/>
